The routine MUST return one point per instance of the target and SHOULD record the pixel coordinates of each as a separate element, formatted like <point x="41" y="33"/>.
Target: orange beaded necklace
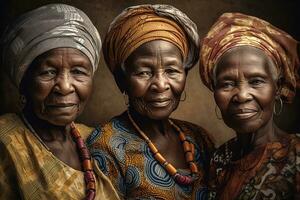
<point x="189" y="151"/>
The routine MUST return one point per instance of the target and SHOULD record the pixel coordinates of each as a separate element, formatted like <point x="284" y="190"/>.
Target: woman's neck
<point x="151" y="127"/>
<point x="266" y="134"/>
<point x="47" y="132"/>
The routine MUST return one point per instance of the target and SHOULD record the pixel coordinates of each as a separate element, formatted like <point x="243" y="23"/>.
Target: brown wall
<point x="199" y="106"/>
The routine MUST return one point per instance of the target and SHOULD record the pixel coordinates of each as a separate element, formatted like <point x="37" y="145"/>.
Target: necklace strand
<point x="85" y="157"/>
<point x="188" y="148"/>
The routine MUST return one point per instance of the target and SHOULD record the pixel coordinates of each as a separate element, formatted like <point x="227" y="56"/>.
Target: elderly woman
<point x="149" y="49"/>
<point x="251" y="68"/>
<point x="51" y="54"/>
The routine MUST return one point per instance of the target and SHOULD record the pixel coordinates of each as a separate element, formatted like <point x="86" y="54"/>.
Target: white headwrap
<point x="45" y="28"/>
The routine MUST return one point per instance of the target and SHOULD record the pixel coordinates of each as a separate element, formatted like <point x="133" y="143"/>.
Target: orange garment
<point x="137" y="27"/>
<point x="271" y="171"/>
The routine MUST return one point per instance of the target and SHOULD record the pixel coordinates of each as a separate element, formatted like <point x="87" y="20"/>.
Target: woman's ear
<point x="298" y="71"/>
<point x="120" y="79"/>
<point x="279" y="84"/>
<point x="186" y="71"/>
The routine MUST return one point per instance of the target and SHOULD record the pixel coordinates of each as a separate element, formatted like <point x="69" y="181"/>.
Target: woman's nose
<point x="160" y="83"/>
<point x="243" y="94"/>
<point x="64" y="84"/>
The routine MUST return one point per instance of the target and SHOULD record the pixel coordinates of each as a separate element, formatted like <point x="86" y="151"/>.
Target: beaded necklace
<point x="85" y="158"/>
<point x="189" y="151"/>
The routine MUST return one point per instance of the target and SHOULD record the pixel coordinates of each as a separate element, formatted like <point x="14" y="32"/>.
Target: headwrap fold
<point x="45" y="28"/>
<point x="236" y="29"/>
<point x="137" y="25"/>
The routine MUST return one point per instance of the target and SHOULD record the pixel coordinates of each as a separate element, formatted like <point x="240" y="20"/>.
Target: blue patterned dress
<point x="127" y="160"/>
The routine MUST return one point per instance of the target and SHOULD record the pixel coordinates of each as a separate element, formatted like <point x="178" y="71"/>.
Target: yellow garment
<point x="29" y="171"/>
<point x="137" y="27"/>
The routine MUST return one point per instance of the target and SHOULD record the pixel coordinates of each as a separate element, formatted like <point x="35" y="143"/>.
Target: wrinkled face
<point x="245" y="89"/>
<point x="155" y="79"/>
<point x="59" y="86"/>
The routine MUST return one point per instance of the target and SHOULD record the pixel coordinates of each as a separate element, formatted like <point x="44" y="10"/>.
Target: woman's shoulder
<point x="8" y="119"/>
<point x="189" y="126"/>
<point x="84" y="130"/>
<point x="290" y="142"/>
<point x="222" y="156"/>
<point x="295" y="138"/>
<point x="195" y="131"/>
<point x="9" y="123"/>
<point x="109" y="143"/>
<point x="294" y="141"/>
<point x="228" y="144"/>
<point x="116" y="128"/>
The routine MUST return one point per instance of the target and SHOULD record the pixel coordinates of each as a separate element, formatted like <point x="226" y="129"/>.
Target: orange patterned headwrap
<point x="140" y="24"/>
<point x="236" y="29"/>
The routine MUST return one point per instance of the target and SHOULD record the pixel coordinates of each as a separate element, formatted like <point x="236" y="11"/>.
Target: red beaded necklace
<point x="85" y="157"/>
<point x="189" y="151"/>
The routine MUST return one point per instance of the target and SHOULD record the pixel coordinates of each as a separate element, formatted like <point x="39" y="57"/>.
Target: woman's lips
<point x="160" y="103"/>
<point x="244" y="114"/>
<point x="62" y="106"/>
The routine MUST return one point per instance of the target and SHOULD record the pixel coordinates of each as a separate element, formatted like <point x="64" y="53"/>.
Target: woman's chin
<point x="60" y="120"/>
<point x="245" y="128"/>
<point x="159" y="114"/>
<point x="155" y="110"/>
<point x="59" y="117"/>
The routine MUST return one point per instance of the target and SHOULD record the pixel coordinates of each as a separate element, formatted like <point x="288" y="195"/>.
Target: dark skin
<point x="154" y="81"/>
<point x="246" y="88"/>
<point x="57" y="86"/>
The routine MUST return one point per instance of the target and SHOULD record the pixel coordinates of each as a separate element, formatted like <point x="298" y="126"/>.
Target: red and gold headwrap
<point x="144" y="23"/>
<point x="236" y="29"/>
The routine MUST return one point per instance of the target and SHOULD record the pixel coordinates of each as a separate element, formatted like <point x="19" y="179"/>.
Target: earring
<point x="219" y="117"/>
<point x="184" y="96"/>
<point x="276" y="111"/>
<point x="22" y="101"/>
<point x="126" y="98"/>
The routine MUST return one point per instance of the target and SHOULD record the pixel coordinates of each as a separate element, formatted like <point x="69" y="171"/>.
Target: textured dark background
<point x="199" y="106"/>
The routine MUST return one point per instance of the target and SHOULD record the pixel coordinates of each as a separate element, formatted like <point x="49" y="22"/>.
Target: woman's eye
<point x="48" y="74"/>
<point x="172" y="71"/>
<point x="79" y="72"/>
<point x="256" y="82"/>
<point x="226" y="84"/>
<point x="144" y="74"/>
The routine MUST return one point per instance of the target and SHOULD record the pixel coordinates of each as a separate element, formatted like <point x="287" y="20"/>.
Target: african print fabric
<point x="271" y="171"/>
<point x="137" y="25"/>
<point x="29" y="171"/>
<point x="126" y="159"/>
